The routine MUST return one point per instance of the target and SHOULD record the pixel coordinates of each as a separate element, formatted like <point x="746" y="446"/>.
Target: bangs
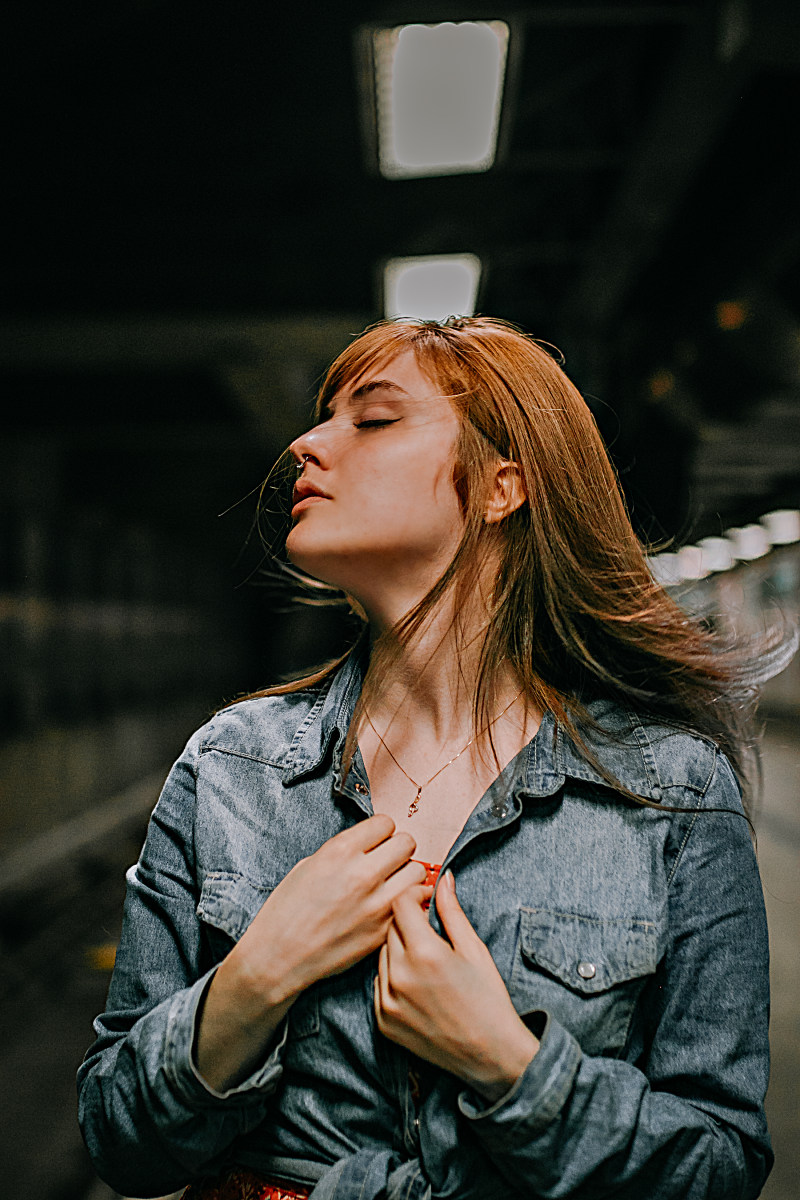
<point x="372" y="349"/>
<point x="429" y="341"/>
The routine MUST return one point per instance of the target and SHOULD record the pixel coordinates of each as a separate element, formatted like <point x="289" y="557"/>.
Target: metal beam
<point x="532" y="253"/>
<point x="611" y="14"/>
<point x="405" y="12"/>
<point x="561" y="160"/>
<point x="701" y="90"/>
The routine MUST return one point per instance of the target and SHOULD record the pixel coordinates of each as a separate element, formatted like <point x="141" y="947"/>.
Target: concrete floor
<point x="778" y="826"/>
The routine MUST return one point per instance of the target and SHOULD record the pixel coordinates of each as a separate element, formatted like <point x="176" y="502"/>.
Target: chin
<point x="318" y="564"/>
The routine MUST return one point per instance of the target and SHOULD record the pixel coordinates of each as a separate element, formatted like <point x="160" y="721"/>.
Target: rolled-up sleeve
<point x="686" y="1118"/>
<point x="149" y="1120"/>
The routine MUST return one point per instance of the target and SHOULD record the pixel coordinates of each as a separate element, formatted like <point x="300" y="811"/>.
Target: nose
<point x="311" y="447"/>
<point x="300" y="452"/>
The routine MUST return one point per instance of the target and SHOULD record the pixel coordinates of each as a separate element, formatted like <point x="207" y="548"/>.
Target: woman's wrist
<point x="258" y="989"/>
<point x="493" y="1080"/>
<point x="236" y="1022"/>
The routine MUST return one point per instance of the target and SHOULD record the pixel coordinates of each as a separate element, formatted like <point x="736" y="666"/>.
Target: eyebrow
<point x="377" y="385"/>
<point x="367" y="389"/>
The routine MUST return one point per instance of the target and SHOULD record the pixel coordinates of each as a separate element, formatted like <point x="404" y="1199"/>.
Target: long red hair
<point x="575" y="609"/>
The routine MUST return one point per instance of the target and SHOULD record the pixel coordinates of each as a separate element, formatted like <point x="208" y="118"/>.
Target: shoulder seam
<point x="642" y="728"/>
<point x="681" y="848"/>
<point x="718" y="758"/>
<point x="234" y="704"/>
<point x="211" y="748"/>
<point x="674" y="727"/>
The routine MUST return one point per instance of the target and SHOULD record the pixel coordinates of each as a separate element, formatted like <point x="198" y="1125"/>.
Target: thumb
<point x="454" y="920"/>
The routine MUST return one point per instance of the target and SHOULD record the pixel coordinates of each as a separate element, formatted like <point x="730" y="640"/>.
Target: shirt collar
<point x="621" y="744"/>
<point x="329" y="717"/>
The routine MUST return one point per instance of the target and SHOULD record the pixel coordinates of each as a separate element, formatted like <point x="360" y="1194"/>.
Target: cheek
<point x="446" y="498"/>
<point x="412" y="486"/>
<point x="431" y="517"/>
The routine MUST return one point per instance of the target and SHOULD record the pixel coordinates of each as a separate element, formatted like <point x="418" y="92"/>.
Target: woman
<point x="582" y="1011"/>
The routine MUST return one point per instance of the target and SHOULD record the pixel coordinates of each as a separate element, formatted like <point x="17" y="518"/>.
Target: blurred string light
<point x="661" y="384"/>
<point x="716" y="554"/>
<point x="732" y="315"/>
<point x="749" y="542"/>
<point x="438" y="94"/>
<point x="431" y="287"/>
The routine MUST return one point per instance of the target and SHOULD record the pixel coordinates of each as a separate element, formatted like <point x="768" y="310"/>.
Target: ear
<point x="508" y="494"/>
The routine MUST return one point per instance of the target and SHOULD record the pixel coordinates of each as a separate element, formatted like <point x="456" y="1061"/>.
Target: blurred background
<point x="204" y="204"/>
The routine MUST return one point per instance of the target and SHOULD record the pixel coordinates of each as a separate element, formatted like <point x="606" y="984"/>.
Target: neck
<point x="432" y="681"/>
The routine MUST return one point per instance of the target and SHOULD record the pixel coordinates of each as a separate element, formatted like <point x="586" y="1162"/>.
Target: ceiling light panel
<point x="432" y="287"/>
<point x="438" y="91"/>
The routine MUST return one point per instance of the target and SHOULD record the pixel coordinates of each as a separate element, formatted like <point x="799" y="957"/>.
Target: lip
<point x="306" y="502"/>
<point x="306" y="493"/>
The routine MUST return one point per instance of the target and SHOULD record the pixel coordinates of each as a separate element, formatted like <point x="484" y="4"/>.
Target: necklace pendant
<point x="414" y="805"/>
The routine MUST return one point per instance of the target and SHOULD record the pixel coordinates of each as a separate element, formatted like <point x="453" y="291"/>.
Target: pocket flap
<point x="588" y="954"/>
<point x="230" y="901"/>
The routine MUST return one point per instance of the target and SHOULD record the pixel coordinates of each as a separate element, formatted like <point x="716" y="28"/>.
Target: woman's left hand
<point x="446" y="1001"/>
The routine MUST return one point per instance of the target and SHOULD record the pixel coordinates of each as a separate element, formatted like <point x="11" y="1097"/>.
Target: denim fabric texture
<point x="633" y="939"/>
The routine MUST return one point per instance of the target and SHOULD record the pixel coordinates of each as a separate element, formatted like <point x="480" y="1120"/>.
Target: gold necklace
<point x="414" y="805"/>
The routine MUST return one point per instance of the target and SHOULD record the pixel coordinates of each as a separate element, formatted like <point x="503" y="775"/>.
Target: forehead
<point x="395" y="375"/>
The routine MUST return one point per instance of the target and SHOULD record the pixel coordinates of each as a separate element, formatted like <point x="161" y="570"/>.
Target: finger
<point x="392" y="948"/>
<point x="454" y="920"/>
<point x="410" y="876"/>
<point x="391" y="854"/>
<point x="420" y="896"/>
<point x="366" y="834"/>
<point x="409" y="918"/>
<point x="382" y="980"/>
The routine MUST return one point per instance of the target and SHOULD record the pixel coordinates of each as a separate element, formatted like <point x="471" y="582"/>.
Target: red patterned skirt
<point x="241" y="1184"/>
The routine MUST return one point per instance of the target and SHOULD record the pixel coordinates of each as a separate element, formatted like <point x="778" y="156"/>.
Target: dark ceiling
<point x="196" y="227"/>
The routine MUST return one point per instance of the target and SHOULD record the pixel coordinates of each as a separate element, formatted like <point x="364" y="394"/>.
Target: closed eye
<point x="376" y="424"/>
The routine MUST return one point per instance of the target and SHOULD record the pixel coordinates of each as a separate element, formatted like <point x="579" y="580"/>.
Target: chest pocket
<point x="587" y="972"/>
<point x="228" y="903"/>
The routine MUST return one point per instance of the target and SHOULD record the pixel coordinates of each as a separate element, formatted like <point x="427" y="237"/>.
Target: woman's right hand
<point x="331" y="910"/>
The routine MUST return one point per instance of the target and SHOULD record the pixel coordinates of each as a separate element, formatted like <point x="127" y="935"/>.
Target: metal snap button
<point x="587" y="970"/>
<point x="362" y="789"/>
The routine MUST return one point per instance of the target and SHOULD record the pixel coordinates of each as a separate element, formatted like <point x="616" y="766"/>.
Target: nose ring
<point x="299" y="466"/>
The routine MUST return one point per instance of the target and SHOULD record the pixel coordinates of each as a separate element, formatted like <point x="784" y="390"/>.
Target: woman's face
<point x="375" y="509"/>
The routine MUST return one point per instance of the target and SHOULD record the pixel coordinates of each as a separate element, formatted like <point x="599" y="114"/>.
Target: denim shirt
<point x="632" y="939"/>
